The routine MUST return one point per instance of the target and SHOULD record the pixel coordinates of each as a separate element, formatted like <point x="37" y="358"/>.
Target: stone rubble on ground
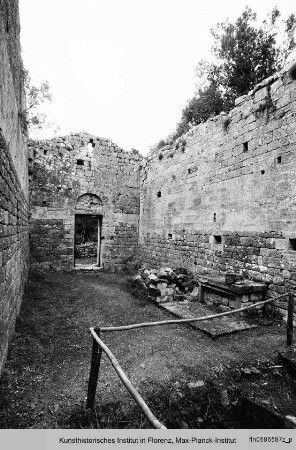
<point x="196" y="384"/>
<point x="250" y="371"/>
<point x="168" y="285"/>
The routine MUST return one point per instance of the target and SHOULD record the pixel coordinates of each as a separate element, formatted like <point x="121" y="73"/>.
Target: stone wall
<point x="13" y="177"/>
<point x="222" y="197"/>
<point x="219" y="199"/>
<point x="82" y="174"/>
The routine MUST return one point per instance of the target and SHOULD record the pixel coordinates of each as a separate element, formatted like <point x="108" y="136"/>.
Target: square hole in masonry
<point x="292" y="244"/>
<point x="217" y="240"/>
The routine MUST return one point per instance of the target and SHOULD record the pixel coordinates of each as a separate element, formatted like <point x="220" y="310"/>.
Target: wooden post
<point x="94" y="372"/>
<point x="201" y="295"/>
<point x="290" y="320"/>
<point x="126" y="382"/>
<point x="238" y="304"/>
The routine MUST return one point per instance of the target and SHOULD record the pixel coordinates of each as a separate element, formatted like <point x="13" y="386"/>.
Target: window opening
<point x="217" y="239"/>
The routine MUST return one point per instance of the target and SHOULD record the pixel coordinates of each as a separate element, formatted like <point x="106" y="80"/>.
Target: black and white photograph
<point x="147" y="224"/>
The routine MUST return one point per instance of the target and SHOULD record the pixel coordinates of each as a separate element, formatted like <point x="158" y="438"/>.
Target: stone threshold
<point x="88" y="267"/>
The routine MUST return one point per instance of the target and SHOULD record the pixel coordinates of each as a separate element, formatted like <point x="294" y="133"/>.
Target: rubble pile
<point x="168" y="285"/>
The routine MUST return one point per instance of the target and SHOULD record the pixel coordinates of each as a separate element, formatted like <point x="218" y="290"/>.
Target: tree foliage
<point x="245" y="53"/>
<point x="207" y="102"/>
<point x="32" y="118"/>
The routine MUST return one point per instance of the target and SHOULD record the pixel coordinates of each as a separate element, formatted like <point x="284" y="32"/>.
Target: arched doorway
<point x="88" y="230"/>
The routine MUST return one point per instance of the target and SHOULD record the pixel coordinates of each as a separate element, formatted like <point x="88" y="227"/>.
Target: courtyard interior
<point x="180" y="371"/>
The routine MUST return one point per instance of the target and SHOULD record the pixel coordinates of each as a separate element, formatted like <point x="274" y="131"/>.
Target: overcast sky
<point x="122" y="69"/>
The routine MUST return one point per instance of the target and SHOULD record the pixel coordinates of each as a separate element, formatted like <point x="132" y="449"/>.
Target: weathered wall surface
<point x="13" y="177"/>
<point x="223" y="197"/>
<point x="11" y="88"/>
<point x="64" y="169"/>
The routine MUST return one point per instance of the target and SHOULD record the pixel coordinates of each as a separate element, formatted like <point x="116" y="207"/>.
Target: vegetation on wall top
<point x="31" y="117"/>
<point x="245" y="53"/>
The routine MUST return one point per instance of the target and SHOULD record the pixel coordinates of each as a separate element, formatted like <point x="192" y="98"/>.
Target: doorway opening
<point x="88" y="236"/>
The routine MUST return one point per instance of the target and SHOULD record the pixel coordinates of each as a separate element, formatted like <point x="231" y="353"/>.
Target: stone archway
<point x="88" y="230"/>
<point x="90" y="203"/>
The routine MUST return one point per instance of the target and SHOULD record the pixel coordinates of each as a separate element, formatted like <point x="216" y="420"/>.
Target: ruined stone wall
<point x="223" y="197"/>
<point x="13" y="177"/>
<point x="62" y="170"/>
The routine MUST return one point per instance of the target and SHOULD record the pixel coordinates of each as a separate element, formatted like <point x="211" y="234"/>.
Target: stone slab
<point x="261" y="411"/>
<point x="241" y="287"/>
<point x="216" y="327"/>
<point x="289" y="356"/>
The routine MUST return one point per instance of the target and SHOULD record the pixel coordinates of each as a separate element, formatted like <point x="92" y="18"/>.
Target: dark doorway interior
<point x="87" y="239"/>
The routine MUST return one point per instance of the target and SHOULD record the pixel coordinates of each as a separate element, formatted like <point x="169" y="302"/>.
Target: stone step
<point x="87" y="267"/>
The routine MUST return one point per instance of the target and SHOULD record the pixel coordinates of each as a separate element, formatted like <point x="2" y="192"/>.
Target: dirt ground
<point x="44" y="384"/>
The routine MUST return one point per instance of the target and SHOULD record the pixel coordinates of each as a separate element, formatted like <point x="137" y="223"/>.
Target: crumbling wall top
<point x="75" y="141"/>
<point x="268" y="92"/>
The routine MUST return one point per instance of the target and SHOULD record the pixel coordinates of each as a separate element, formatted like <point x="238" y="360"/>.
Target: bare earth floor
<point x="44" y="384"/>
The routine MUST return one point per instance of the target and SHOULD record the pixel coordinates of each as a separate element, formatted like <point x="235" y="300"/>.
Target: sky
<point x="122" y="69"/>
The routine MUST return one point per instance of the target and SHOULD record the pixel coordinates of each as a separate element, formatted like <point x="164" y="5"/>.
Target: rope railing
<point x="99" y="346"/>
